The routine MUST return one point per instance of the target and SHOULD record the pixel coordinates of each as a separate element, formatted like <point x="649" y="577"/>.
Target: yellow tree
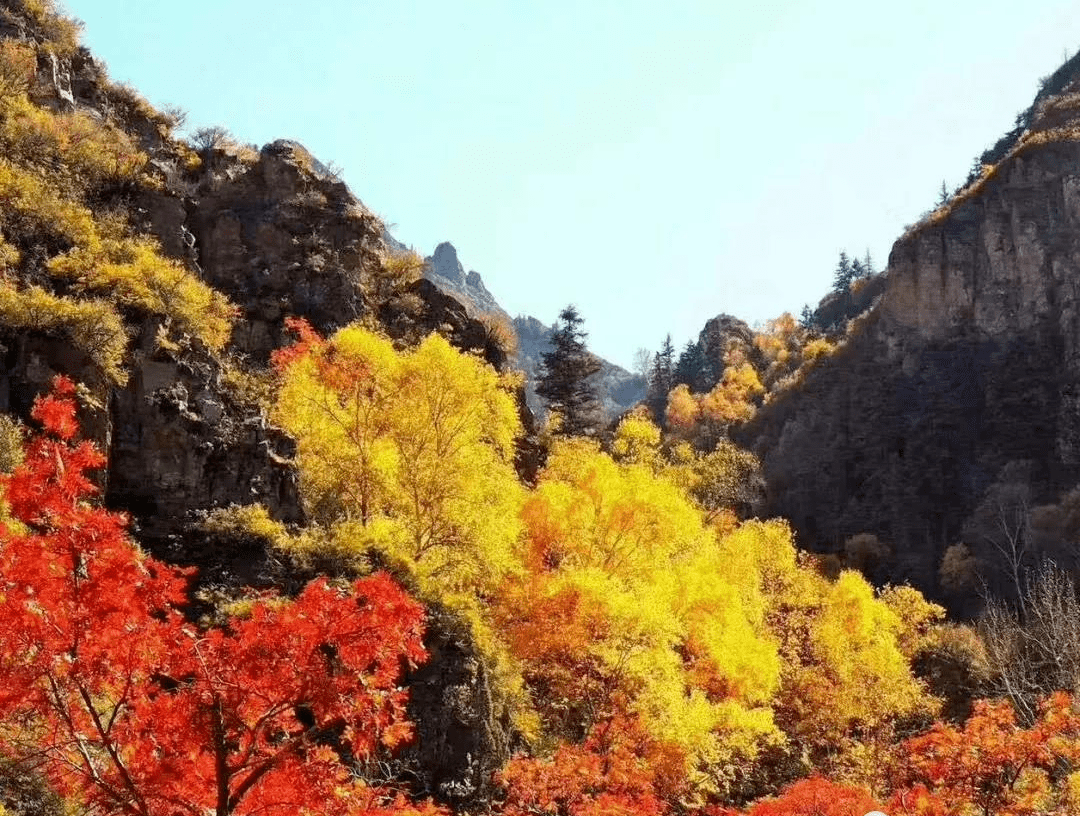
<point x="625" y="608"/>
<point x="410" y="453"/>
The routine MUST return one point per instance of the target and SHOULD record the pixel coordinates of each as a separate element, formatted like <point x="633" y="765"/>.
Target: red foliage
<point x="618" y="771"/>
<point x="816" y="797"/>
<point x="306" y="339"/>
<point x="131" y="709"/>
<point x="992" y="764"/>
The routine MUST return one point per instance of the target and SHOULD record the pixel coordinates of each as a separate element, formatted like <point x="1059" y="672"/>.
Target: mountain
<point x="161" y="277"/>
<point x="618" y="389"/>
<point x="947" y="422"/>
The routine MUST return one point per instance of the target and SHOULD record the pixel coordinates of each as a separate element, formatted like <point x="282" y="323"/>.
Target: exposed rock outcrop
<point x="445" y="271"/>
<point x="281" y="236"/>
<point x="969" y="363"/>
<point x="617" y="388"/>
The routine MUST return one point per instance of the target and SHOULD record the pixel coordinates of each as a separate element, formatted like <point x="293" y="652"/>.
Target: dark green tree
<point x="692" y="368"/>
<point x="844" y="275"/>
<point x="565" y="381"/>
<point x="661" y="378"/>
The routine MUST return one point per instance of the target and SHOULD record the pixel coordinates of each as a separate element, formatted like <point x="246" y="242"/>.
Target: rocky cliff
<point x="182" y="421"/>
<point x="617" y="388"/>
<point x="960" y="385"/>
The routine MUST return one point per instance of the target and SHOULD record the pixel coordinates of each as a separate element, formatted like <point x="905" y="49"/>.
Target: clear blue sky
<point x="653" y="163"/>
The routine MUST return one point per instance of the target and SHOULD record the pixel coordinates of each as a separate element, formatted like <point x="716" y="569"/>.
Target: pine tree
<point x="858" y="271"/>
<point x="943" y="194"/>
<point x="843" y="276"/>
<point x="808" y="318"/>
<point x="868" y="265"/>
<point x="661" y="378"/>
<point x="566" y="374"/>
<point x="692" y="368"/>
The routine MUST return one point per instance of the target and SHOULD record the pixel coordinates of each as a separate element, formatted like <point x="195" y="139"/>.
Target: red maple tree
<point x="128" y="708"/>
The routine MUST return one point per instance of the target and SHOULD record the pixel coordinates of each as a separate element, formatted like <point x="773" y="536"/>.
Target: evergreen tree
<point x="943" y="194"/>
<point x="692" y="368"/>
<point x="868" y="265"/>
<point x="685" y="366"/>
<point x="565" y="376"/>
<point x="661" y="378"/>
<point x="858" y="271"/>
<point x="843" y="276"/>
<point x="808" y="318"/>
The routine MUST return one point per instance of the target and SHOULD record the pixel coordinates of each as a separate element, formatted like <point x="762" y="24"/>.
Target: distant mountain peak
<point x="444" y="269"/>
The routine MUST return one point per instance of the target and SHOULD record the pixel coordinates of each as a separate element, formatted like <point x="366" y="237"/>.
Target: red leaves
<point x="306" y="340"/>
<point x="816" y="797"/>
<point x="618" y="771"/>
<point x="991" y="763"/>
<point x="135" y="710"/>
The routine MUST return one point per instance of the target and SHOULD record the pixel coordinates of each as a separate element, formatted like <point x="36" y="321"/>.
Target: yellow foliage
<point x="18" y="63"/>
<point x="589" y="511"/>
<point x="637" y="441"/>
<point x="133" y="271"/>
<point x="73" y="148"/>
<point x="93" y="326"/>
<point x="816" y="349"/>
<point x="11" y="444"/>
<point x="918" y="617"/>
<point x="244" y="521"/>
<point x="425" y="439"/>
<point x="629" y="596"/>
<point x="731" y="400"/>
<point x="33" y="206"/>
<point x="62" y="33"/>
<point x="846" y="673"/>
<point x="683" y="409"/>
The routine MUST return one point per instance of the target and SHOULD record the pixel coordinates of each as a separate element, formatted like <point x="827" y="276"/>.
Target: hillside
<point x="277" y="536"/>
<point x="945" y="421"/>
<point x="617" y="388"/>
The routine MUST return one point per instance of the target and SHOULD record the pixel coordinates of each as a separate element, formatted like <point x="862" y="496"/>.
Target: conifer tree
<point x="844" y="274"/>
<point x="661" y="378"/>
<point x="566" y="375"/>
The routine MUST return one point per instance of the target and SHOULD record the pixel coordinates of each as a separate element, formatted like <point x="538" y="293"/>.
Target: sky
<point x="655" y="164"/>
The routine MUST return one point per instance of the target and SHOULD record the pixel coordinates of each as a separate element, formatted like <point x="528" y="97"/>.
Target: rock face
<point x="281" y="236"/>
<point x="967" y="369"/>
<point x="445" y="271"/>
<point x="619" y="390"/>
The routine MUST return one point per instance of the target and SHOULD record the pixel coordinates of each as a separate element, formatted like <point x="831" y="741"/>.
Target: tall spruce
<point x="692" y="368"/>
<point x="566" y="376"/>
<point x="844" y="274"/>
<point x="661" y="378"/>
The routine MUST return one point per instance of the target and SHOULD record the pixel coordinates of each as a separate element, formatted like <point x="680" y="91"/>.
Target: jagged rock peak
<point x="445" y="263"/>
<point x="444" y="269"/>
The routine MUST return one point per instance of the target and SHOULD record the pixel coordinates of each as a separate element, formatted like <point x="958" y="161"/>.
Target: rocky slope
<point x="183" y="427"/>
<point x="617" y="388"/>
<point x="953" y="410"/>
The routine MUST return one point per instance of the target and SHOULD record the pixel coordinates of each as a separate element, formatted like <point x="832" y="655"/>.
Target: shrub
<point x="499" y="332"/>
<point x="93" y="326"/>
<point x="243" y="521"/>
<point x="77" y="151"/>
<point x="18" y="62"/>
<point x="133" y="271"/>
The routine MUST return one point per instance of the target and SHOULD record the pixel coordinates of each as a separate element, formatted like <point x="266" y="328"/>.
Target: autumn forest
<point x="353" y="554"/>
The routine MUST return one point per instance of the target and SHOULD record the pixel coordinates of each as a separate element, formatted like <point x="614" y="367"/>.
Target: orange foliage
<point x="128" y="708"/>
<point x="991" y="766"/>
<point x="618" y="771"/>
<point x="816" y="797"/>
